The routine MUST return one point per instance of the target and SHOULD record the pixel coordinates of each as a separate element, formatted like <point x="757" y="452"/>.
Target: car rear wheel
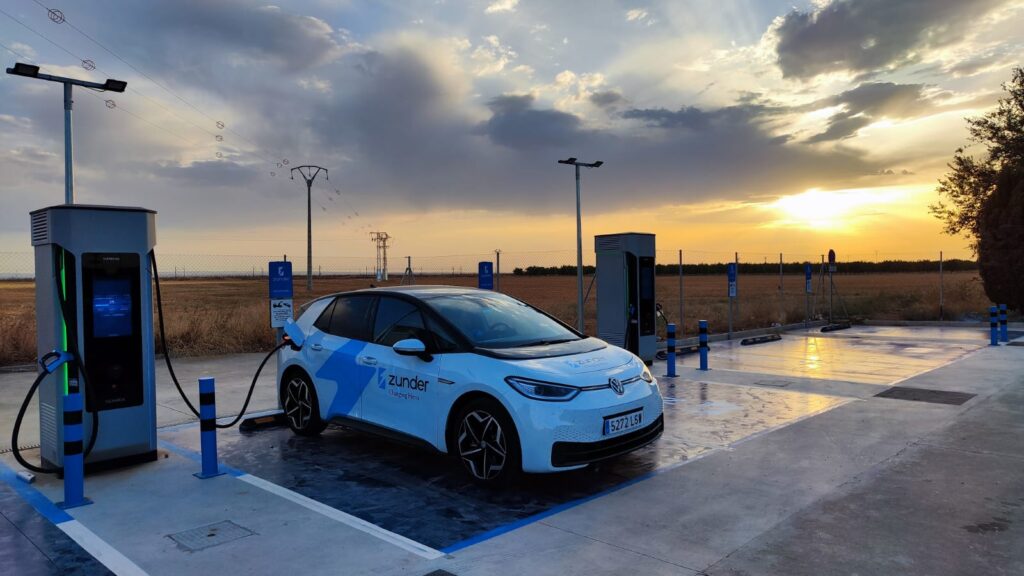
<point x="301" y="406"/>
<point x="486" y="443"/>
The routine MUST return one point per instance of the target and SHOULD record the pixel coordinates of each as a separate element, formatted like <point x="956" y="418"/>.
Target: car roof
<point x="421" y="291"/>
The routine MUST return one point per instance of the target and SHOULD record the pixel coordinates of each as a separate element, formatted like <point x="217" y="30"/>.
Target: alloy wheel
<point x="297" y="405"/>
<point x="482" y="445"/>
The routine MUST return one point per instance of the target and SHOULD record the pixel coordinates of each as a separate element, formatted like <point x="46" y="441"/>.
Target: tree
<point x="983" y="197"/>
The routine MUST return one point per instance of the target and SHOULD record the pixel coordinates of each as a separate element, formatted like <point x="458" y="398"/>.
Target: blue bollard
<point x="703" y="344"/>
<point x="671" y="350"/>
<point x="208" y="429"/>
<point x="1004" y="334"/>
<point x="993" y="326"/>
<point x="74" y="458"/>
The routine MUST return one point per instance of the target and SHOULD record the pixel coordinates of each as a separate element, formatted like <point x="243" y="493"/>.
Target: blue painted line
<point x="196" y="456"/>
<point x="34" y="497"/>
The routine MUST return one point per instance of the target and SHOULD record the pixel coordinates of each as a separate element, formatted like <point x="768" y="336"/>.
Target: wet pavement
<point x="862" y="354"/>
<point x="424" y="495"/>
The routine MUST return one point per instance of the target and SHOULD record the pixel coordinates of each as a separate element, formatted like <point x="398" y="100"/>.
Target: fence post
<point x="682" y="321"/>
<point x="782" y="294"/>
<point x="74" y="457"/>
<point x="993" y="326"/>
<point x="671" y="350"/>
<point x="208" y="429"/>
<point x="1004" y="334"/>
<point x="941" y="294"/>
<point x="702" y="329"/>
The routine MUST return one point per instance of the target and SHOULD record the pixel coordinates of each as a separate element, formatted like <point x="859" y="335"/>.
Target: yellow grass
<point x="214" y="316"/>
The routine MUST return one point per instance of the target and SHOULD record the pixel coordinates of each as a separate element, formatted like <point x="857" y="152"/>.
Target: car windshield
<point x="491" y="320"/>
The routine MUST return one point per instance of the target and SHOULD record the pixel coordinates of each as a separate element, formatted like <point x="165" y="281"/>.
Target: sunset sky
<point x="756" y="126"/>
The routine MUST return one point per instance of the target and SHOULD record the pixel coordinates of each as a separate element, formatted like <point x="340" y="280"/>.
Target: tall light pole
<point x="308" y="175"/>
<point x="30" y="71"/>
<point x="579" y="238"/>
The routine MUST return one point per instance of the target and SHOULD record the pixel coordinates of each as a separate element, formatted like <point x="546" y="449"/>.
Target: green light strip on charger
<point x="63" y="324"/>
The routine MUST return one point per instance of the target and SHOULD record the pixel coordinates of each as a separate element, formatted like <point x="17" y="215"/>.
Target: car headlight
<point x="646" y="375"/>
<point x="540" y="390"/>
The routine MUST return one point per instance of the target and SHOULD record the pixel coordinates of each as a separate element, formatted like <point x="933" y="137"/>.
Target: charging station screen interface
<point x="111" y="307"/>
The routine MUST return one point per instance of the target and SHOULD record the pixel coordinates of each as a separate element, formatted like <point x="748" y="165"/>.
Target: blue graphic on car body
<point x="351" y="377"/>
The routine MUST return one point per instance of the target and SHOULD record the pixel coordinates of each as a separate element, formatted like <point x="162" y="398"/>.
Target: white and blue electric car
<point x="477" y="374"/>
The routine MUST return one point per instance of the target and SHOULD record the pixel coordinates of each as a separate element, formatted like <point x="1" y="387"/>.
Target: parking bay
<point x="425" y="496"/>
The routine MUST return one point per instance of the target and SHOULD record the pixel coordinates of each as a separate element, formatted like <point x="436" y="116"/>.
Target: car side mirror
<point x="410" y="347"/>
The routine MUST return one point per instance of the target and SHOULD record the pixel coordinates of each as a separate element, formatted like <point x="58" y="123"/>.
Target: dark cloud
<point x="241" y="28"/>
<point x="865" y="35"/>
<point x="207" y="173"/>
<point x="748" y="111"/>
<point x="606" y="99"/>
<point x="516" y="124"/>
<point x="868" y="103"/>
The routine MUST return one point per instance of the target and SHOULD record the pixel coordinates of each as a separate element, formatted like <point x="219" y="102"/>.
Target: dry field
<point x="212" y="316"/>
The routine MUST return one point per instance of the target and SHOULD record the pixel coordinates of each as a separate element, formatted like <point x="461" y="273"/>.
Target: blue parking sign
<point x="731" y="271"/>
<point x="485" y="276"/>
<point x="807" y="279"/>
<point x="280" y="275"/>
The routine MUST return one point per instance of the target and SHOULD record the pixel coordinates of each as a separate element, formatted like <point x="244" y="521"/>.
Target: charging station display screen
<point x="111" y="307"/>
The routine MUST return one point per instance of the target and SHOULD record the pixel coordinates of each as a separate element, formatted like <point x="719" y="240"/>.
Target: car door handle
<point x="368" y="360"/>
<point x="317" y="347"/>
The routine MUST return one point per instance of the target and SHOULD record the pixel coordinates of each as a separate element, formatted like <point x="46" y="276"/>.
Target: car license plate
<point x="625" y="422"/>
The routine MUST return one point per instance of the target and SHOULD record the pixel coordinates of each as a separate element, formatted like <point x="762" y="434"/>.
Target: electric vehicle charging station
<point x="625" y="292"/>
<point x="94" y="300"/>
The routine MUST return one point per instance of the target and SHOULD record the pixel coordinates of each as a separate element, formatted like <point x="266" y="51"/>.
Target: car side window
<point x="398" y="320"/>
<point x="323" y="322"/>
<point x="351" y="317"/>
<point x="443" y="340"/>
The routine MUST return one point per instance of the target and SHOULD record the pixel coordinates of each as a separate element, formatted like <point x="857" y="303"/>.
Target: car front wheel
<point x="486" y="443"/>
<point x="301" y="406"/>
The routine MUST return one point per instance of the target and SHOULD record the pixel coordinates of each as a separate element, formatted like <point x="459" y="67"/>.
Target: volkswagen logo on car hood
<point x="616" y="386"/>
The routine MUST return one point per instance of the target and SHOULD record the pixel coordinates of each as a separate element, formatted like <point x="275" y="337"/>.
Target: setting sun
<point x="834" y="210"/>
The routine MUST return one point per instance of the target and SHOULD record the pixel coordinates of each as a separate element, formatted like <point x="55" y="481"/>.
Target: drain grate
<point x="925" y="395"/>
<point x="211" y="535"/>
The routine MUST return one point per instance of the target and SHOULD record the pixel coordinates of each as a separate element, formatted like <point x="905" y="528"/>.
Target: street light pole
<point x="309" y="176"/>
<point x="579" y="238"/>
<point x="31" y="71"/>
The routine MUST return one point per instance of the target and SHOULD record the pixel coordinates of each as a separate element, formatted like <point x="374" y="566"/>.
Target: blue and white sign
<point x="485" y="276"/>
<point x="731" y="271"/>
<point x="280" y="275"/>
<point x="807" y="279"/>
<point x="280" y="281"/>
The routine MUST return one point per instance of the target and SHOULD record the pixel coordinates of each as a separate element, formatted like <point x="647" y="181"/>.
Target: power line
<point x="114" y="107"/>
<point x="218" y="123"/>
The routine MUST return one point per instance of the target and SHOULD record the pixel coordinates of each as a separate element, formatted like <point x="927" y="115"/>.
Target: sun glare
<point x="833" y="210"/>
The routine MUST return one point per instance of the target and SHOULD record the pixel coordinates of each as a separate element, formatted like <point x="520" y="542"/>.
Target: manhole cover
<point x="925" y="395"/>
<point x="211" y="535"/>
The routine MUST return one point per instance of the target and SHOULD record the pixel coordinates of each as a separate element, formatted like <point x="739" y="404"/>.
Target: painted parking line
<point x="398" y="540"/>
<point x="97" y="547"/>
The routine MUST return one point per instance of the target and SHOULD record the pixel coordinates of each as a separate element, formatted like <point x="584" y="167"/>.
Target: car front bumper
<point x="571" y="454"/>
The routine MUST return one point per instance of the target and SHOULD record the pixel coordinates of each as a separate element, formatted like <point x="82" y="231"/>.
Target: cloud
<point x="516" y="124"/>
<point x="499" y="6"/>
<point x="636" y="15"/>
<point x="208" y="173"/>
<point x="868" y="35"/>
<point x="868" y="103"/>
<point x="606" y="99"/>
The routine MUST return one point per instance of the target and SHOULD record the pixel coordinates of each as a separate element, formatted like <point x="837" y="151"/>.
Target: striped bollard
<point x="703" y="340"/>
<point x="1004" y="334"/>
<point x="993" y="326"/>
<point x="208" y="429"/>
<point x="74" y="457"/>
<point x="671" y="344"/>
